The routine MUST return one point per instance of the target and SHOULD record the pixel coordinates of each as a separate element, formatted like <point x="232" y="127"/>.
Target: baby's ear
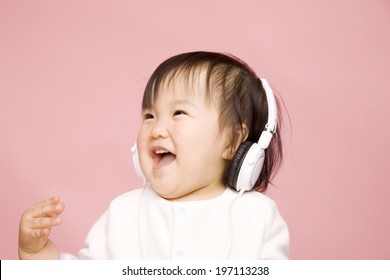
<point x="232" y="146"/>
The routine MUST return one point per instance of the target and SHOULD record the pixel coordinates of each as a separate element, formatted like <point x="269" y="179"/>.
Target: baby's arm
<point x="35" y="227"/>
<point x="276" y="240"/>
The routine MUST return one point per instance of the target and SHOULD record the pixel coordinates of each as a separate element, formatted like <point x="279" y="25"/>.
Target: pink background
<point x="72" y="74"/>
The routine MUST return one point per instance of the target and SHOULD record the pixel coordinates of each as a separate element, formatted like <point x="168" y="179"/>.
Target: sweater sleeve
<point x="96" y="240"/>
<point x="276" y="243"/>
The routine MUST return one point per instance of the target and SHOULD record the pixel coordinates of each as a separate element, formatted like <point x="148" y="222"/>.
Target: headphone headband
<point x="270" y="127"/>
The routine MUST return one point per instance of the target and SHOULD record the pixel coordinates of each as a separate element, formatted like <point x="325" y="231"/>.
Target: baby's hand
<point x="35" y="227"/>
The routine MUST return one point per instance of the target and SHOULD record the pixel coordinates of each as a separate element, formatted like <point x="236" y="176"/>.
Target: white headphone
<point x="248" y="161"/>
<point x="136" y="163"/>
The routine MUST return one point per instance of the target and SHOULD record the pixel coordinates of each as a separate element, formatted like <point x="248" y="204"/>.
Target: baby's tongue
<point x="166" y="160"/>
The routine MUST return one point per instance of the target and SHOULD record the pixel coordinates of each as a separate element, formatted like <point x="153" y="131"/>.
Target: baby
<point x="207" y="148"/>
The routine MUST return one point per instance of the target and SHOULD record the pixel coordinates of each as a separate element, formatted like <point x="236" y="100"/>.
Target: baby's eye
<point x="148" y="116"/>
<point x="179" y="112"/>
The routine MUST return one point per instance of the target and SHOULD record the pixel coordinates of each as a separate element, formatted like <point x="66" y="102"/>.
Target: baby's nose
<point x="159" y="130"/>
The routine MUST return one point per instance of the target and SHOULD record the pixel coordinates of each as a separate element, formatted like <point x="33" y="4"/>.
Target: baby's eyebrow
<point x="174" y="103"/>
<point x="182" y="102"/>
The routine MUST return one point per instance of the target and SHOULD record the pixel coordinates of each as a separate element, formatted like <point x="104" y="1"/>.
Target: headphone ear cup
<point x="236" y="164"/>
<point x="136" y="163"/>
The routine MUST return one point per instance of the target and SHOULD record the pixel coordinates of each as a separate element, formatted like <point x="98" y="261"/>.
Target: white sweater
<point x="142" y="225"/>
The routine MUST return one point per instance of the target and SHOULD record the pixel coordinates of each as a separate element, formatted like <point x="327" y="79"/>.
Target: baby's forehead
<point x="184" y="88"/>
<point x="180" y="94"/>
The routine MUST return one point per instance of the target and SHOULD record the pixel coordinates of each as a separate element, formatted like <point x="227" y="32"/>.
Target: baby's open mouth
<point x="162" y="157"/>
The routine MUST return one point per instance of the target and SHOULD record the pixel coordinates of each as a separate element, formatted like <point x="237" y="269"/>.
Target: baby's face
<point x="180" y="144"/>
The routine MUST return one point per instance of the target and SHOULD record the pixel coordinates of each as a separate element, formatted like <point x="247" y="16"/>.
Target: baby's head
<point x="198" y="108"/>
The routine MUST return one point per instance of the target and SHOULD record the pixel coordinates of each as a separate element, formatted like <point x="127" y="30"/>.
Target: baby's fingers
<point x="45" y="222"/>
<point x="40" y="233"/>
<point x="48" y="208"/>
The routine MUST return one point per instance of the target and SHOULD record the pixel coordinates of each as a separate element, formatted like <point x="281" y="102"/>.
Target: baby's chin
<point x="164" y="192"/>
<point x="173" y="195"/>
